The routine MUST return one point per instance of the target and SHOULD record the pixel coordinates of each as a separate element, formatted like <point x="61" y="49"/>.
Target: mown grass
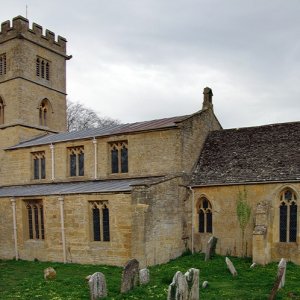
<point x="24" y="280"/>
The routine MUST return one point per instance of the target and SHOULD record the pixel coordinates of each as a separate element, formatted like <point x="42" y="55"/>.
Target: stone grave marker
<point x="49" y="273"/>
<point x="280" y="279"/>
<point x="130" y="275"/>
<point x="97" y="284"/>
<point x="211" y="247"/>
<point x="205" y="284"/>
<point x="178" y="289"/>
<point x="230" y="266"/>
<point x="144" y="276"/>
<point x="192" y="279"/>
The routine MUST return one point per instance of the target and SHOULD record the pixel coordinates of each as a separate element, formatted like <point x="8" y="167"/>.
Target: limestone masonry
<point x="148" y="190"/>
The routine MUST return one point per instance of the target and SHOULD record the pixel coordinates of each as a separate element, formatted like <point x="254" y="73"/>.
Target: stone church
<point x="147" y="190"/>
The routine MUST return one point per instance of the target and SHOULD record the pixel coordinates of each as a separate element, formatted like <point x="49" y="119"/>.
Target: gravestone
<point x="211" y="247"/>
<point x="130" y="275"/>
<point x="144" y="276"/>
<point x="178" y="289"/>
<point x="97" y="284"/>
<point x="192" y="279"/>
<point x="49" y="273"/>
<point x="230" y="266"/>
<point x="280" y="279"/>
<point x="204" y="284"/>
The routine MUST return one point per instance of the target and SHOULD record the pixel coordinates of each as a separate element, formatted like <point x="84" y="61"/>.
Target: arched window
<point x="1" y="111"/>
<point x="43" y="110"/>
<point x="205" y="216"/>
<point x="100" y="221"/>
<point x="288" y="216"/>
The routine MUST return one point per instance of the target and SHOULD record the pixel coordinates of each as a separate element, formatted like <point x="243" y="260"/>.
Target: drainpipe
<point x="95" y="157"/>
<point x="13" y="204"/>
<point x="62" y="222"/>
<point x="52" y="161"/>
<point x="193" y="202"/>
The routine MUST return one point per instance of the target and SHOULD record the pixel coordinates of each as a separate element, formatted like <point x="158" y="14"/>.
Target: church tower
<point x="32" y="81"/>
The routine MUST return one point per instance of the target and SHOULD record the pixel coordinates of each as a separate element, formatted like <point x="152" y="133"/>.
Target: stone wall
<point x="226" y="227"/>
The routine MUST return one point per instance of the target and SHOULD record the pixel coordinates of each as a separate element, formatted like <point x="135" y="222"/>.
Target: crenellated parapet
<point x="20" y="29"/>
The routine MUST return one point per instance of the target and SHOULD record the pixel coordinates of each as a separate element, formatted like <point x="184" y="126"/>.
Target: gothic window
<point x="205" y="216"/>
<point x="42" y="67"/>
<point x="43" y="112"/>
<point x="76" y="161"/>
<point x="1" y="111"/>
<point x="39" y="165"/>
<point x="35" y="220"/>
<point x="100" y="221"/>
<point x="119" y="157"/>
<point x="288" y="216"/>
<point x="3" y="64"/>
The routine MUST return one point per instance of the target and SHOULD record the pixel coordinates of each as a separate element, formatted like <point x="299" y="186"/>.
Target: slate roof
<point x="97" y="186"/>
<point x="269" y="153"/>
<point x="98" y="132"/>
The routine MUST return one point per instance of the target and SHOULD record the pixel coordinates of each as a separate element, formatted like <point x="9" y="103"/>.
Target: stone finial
<point x="207" y="98"/>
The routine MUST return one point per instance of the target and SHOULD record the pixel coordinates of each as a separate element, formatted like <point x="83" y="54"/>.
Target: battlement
<point x="20" y="29"/>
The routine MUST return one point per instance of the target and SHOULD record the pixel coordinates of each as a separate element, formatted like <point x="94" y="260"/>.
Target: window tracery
<point x="39" y="165"/>
<point x="119" y="157"/>
<point x="100" y="220"/>
<point x="205" y="216"/>
<point x="288" y="216"/>
<point x="76" y="161"/>
<point x="35" y="219"/>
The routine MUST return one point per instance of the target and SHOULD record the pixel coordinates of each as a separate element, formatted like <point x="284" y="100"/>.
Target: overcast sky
<point x="136" y="60"/>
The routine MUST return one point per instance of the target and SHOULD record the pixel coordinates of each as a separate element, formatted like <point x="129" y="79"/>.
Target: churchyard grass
<point x="24" y="280"/>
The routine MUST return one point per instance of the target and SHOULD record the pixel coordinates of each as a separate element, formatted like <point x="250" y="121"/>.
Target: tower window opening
<point x="3" y="64"/>
<point x="42" y="68"/>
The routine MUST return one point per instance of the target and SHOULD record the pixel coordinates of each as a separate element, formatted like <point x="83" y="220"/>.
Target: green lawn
<point x="24" y="280"/>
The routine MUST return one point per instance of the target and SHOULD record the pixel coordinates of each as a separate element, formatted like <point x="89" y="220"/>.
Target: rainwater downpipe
<point x="62" y="222"/>
<point x="95" y="157"/>
<point x="52" y="161"/>
<point x="193" y="202"/>
<point x="13" y="204"/>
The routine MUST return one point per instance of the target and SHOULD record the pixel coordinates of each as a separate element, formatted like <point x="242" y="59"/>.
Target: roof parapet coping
<point x="20" y="26"/>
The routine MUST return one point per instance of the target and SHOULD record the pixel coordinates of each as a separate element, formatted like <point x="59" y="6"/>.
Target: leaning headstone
<point x="178" y="289"/>
<point x="97" y="284"/>
<point x="211" y="247"/>
<point x="253" y="265"/>
<point x="204" y="284"/>
<point x="130" y="275"/>
<point x="280" y="279"/>
<point x="192" y="279"/>
<point x="230" y="266"/>
<point x="144" y="276"/>
<point x="49" y="273"/>
<point x="282" y="265"/>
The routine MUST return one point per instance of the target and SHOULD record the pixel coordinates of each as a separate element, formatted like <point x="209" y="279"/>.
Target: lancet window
<point x="204" y="216"/>
<point x="288" y="216"/>
<point x="100" y="220"/>
<point x="39" y="165"/>
<point x="119" y="157"/>
<point x="35" y="220"/>
<point x="76" y="161"/>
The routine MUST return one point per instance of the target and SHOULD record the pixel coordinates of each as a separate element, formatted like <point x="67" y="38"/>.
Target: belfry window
<point x="42" y="68"/>
<point x="35" y="220"/>
<point x="76" y="161"/>
<point x="100" y="221"/>
<point x="288" y="216"/>
<point x="1" y="111"/>
<point x="2" y="64"/>
<point x="119" y="157"/>
<point x="39" y="165"/>
<point x="205" y="216"/>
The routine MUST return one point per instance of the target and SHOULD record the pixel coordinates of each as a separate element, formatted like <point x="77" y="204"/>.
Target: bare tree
<point x="80" y="117"/>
